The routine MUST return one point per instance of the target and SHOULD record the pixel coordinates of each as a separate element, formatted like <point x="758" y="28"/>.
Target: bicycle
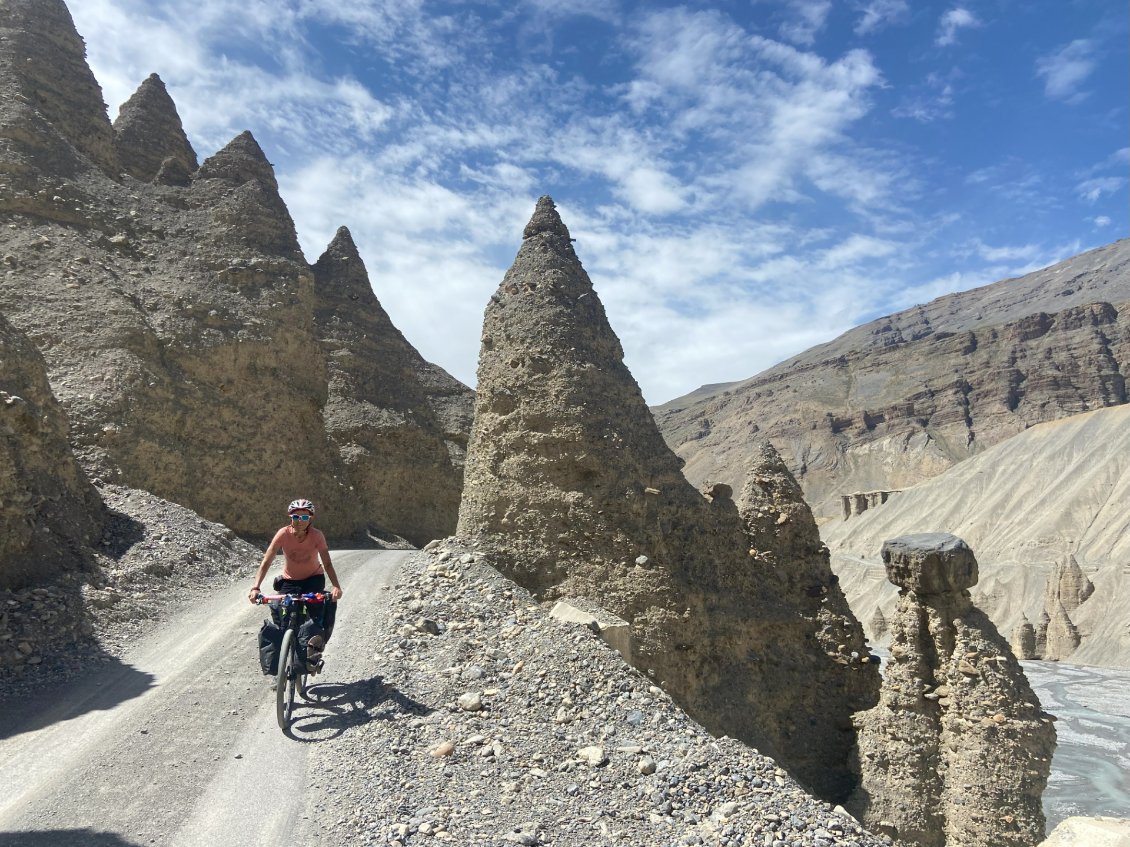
<point x="292" y="667"/>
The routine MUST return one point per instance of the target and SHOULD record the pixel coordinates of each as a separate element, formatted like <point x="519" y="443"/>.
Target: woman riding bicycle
<point x="307" y="564"/>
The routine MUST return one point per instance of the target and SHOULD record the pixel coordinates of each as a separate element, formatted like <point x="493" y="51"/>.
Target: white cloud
<point x="1092" y="190"/>
<point x="878" y="14"/>
<point x="1067" y="69"/>
<point x="807" y="18"/>
<point x="1101" y="221"/>
<point x="952" y="21"/>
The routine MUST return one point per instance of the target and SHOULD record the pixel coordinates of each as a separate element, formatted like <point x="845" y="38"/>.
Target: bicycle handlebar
<point x="317" y="597"/>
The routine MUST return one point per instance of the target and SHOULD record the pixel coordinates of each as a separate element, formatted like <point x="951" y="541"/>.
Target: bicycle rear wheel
<point x="288" y="679"/>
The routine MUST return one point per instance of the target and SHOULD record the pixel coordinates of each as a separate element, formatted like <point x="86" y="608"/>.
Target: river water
<point x="1091" y="768"/>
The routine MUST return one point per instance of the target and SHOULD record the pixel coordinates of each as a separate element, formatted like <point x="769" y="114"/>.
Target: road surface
<point x="178" y="744"/>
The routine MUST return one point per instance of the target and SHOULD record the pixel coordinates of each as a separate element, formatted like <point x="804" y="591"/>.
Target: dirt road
<point x="178" y="745"/>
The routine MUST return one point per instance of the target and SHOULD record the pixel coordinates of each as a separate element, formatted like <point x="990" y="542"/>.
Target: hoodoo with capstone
<point x="958" y="751"/>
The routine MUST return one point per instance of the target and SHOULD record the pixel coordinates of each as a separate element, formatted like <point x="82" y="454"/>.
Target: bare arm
<point x="327" y="565"/>
<point x="261" y="574"/>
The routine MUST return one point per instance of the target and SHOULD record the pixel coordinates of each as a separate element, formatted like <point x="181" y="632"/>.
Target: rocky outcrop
<point x="149" y="138"/>
<point x="570" y="487"/>
<point x="1023" y="640"/>
<point x="403" y="461"/>
<point x="901" y="399"/>
<point x="48" y="509"/>
<point x="52" y="116"/>
<point x="859" y="502"/>
<point x="176" y="313"/>
<point x="1068" y="585"/>
<point x="958" y="751"/>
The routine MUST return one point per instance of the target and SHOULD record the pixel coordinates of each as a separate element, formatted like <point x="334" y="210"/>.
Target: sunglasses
<point x="299" y="517"/>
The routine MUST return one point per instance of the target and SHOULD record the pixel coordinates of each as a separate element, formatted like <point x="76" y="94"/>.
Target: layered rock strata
<point x="573" y="490"/>
<point x="901" y="399"/>
<point x="48" y="510"/>
<point x="176" y="313"/>
<point x="958" y="751"/>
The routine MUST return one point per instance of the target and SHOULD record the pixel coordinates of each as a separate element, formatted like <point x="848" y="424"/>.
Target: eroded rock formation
<point x="570" y="486"/>
<point x="149" y="138"/>
<point x="48" y="509"/>
<point x="402" y="449"/>
<point x="176" y="312"/>
<point x="1023" y="641"/>
<point x="958" y="751"/>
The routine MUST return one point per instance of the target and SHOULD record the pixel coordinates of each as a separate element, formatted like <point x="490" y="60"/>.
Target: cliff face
<point x="958" y="751"/>
<point x="570" y="486"/>
<point x="48" y="509"/>
<point x="901" y="399"/>
<point x="177" y="315"/>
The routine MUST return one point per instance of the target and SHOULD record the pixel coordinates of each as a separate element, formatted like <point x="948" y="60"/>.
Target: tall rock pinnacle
<point x="253" y="214"/>
<point x="380" y="409"/>
<point x="149" y="137"/>
<point x="50" y="95"/>
<point x="958" y="751"/>
<point x="572" y="490"/>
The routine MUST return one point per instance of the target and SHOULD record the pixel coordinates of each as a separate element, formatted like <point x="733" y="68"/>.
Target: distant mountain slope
<point x="1060" y="487"/>
<point x="902" y="398"/>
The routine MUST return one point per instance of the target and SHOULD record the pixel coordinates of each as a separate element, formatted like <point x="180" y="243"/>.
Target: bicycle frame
<point x="292" y="667"/>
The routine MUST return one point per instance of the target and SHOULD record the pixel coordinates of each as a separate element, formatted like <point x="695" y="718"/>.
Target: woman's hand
<point x="252" y="594"/>
<point x="336" y="593"/>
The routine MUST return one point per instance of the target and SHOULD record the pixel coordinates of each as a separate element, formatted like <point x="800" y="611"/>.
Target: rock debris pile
<point x="150" y="555"/>
<point x="571" y="488"/>
<point x="958" y="751"/>
<point x="495" y="724"/>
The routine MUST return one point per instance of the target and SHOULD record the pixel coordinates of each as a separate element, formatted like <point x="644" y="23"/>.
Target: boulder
<point x="1090" y="832"/>
<point x="615" y="632"/>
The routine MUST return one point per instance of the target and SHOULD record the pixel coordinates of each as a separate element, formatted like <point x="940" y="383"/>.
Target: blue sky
<point x="744" y="178"/>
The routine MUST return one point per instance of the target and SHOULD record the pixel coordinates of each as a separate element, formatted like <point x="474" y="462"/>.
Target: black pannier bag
<point x="270" y="640"/>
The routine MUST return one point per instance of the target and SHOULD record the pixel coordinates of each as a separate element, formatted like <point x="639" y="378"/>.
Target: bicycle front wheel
<point x="288" y="679"/>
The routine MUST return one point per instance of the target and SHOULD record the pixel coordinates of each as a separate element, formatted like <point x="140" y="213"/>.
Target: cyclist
<point x="307" y="564"/>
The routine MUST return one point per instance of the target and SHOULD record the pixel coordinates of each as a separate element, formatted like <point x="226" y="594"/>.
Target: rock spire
<point x="52" y="106"/>
<point x="149" y="137"/>
<point x="391" y="431"/>
<point x="570" y="486"/>
<point x="958" y="751"/>
<point x="253" y="215"/>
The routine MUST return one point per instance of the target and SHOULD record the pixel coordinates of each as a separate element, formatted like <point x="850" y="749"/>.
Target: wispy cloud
<point x="1065" y="70"/>
<point x="951" y="22"/>
<point x="728" y="190"/>
<point x="878" y="14"/>
<point x="1093" y="189"/>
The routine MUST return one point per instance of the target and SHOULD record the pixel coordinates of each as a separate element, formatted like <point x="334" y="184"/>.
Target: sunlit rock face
<point x="958" y="751"/>
<point x="176" y="312"/>
<point x="48" y="509"/>
<point x="399" y="423"/>
<point x="149" y="138"/>
<point x="570" y="486"/>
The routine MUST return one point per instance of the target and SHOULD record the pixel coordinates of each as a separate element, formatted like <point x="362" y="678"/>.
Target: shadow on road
<point x="335" y="707"/>
<point x="111" y="683"/>
<point x="63" y="838"/>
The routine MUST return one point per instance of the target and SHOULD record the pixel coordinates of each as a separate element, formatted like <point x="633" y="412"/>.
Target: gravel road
<point x="177" y="743"/>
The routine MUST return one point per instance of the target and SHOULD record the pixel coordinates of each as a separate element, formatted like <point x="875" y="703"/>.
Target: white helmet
<point x="300" y="505"/>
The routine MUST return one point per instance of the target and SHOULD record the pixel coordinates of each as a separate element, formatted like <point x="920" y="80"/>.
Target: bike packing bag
<point x="270" y="641"/>
<point x="310" y="627"/>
